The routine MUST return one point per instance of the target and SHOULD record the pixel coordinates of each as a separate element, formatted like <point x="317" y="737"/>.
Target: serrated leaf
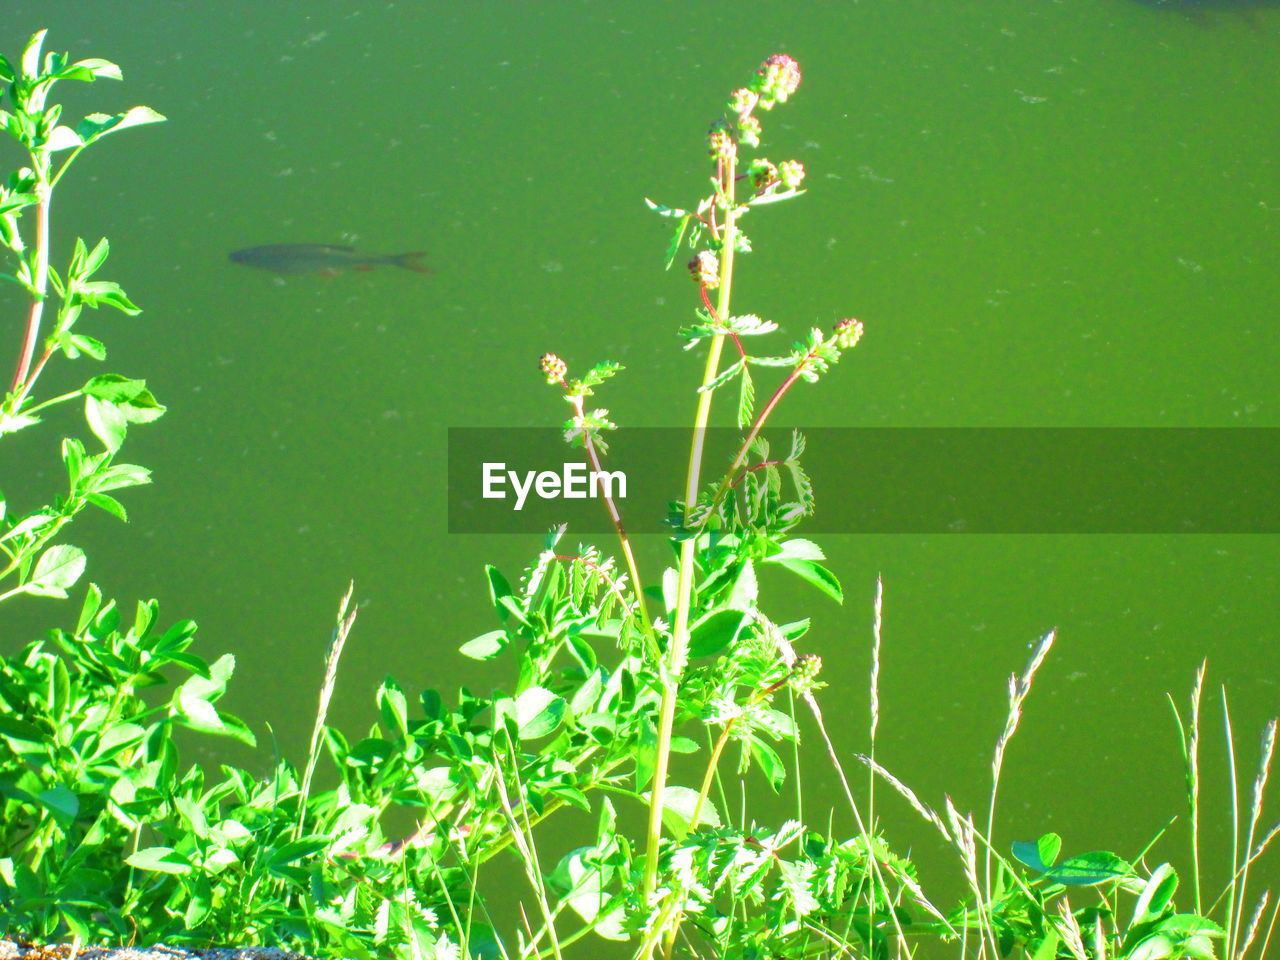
<point x="725" y="375"/>
<point x="818" y="575"/>
<point x="746" y="399"/>
<point x="59" y="567"/>
<point x="1089" y="869"/>
<point x="798" y="549"/>
<point x="110" y="504"/>
<point x="16" y="201"/>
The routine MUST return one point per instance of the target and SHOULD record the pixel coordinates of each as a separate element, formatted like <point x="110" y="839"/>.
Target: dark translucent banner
<point x="893" y="480"/>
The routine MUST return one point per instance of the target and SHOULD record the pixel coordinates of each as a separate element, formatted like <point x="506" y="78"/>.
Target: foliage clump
<point x="106" y="836"/>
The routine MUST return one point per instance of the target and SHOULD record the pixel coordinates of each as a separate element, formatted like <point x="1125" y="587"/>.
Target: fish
<point x="298" y="258"/>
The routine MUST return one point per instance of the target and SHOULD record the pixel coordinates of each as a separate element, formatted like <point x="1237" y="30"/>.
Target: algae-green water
<point x="1046" y="214"/>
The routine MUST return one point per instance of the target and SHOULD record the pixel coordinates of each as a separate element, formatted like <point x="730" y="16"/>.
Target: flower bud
<point x="720" y="143"/>
<point x="749" y="131"/>
<point x="805" y="671"/>
<point x="762" y="173"/>
<point x="554" y="368"/>
<point x="777" y="78"/>
<point x="742" y="101"/>
<point x="705" y="268"/>
<point x="848" y="333"/>
<point x="791" y="173"/>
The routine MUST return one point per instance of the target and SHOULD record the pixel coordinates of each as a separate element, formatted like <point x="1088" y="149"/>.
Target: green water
<point x="1045" y="213"/>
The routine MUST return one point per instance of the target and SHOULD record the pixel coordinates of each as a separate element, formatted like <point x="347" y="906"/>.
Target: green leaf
<point x="116" y="740"/>
<point x="107" y="421"/>
<point x="29" y="525"/>
<point x="1156" y="895"/>
<point x="62" y="138"/>
<point x="11" y="728"/>
<point x="112" y="402"/>
<point x="677" y="811"/>
<point x="725" y="375"/>
<point x="193" y="701"/>
<point x="118" y="476"/>
<point x="16" y="201"/>
<point x="95" y="258"/>
<point x="97" y="125"/>
<point x="58" y="568"/>
<point x="715" y="631"/>
<point x="538" y="711"/>
<point x="99" y="69"/>
<point x="297" y="850"/>
<point x="1089" y="869"/>
<point x="61" y="802"/>
<point x="768" y="198"/>
<point x="664" y="211"/>
<point x="89" y="346"/>
<point x="1039" y="856"/>
<point x="114" y="388"/>
<point x="770" y="763"/>
<point x="818" y="575"/>
<point x="746" y="399"/>
<point x="1191" y="924"/>
<point x="31" y="55"/>
<point x="393" y="707"/>
<point x="487" y="646"/>
<point x="797" y="549"/>
<point x="95" y="293"/>
<point x="212" y="687"/>
<point x="6" y="71"/>
<point x="160" y="860"/>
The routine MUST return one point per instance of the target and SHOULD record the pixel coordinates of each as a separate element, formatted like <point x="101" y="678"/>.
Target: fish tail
<point x="412" y="261"/>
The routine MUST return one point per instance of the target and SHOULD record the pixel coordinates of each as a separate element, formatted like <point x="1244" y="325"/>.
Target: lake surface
<point x="1046" y="214"/>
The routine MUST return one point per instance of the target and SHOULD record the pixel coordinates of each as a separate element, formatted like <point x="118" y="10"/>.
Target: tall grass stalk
<point x="1019" y="688"/>
<point x="1233" y="884"/>
<point x="678" y="654"/>
<point x="876" y="625"/>
<point x="1193" y="773"/>
<point x="529" y="858"/>
<point x="1255" y="812"/>
<point x="342" y="629"/>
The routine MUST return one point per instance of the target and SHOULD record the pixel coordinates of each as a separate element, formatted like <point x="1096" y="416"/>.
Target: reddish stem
<point x="41" y="283"/>
<point x="706" y="302"/>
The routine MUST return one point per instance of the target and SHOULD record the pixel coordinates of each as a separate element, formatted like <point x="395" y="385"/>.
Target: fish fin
<point x="410" y="261"/>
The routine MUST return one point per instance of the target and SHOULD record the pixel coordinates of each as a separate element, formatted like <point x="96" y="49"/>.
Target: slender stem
<point x="637" y="585"/>
<point x="41" y="284"/>
<point x="684" y="586"/>
<point x="745" y="447"/>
